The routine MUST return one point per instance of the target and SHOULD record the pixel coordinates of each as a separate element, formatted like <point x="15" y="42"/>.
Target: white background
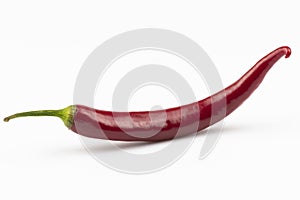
<point x="42" y="47"/>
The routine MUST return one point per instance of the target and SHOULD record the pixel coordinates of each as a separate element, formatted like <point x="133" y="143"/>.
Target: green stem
<point x="66" y="114"/>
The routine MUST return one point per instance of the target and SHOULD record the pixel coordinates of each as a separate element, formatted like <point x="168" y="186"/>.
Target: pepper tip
<point x="288" y="51"/>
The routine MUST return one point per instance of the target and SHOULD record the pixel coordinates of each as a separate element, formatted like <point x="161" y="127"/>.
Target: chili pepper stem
<point x="65" y="114"/>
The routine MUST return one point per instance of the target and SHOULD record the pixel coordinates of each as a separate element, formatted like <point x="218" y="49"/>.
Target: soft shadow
<point x="108" y="146"/>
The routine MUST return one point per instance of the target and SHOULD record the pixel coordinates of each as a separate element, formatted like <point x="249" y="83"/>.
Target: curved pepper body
<point x="173" y="122"/>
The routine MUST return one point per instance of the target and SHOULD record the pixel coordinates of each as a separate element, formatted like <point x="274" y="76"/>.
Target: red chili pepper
<point x="121" y="126"/>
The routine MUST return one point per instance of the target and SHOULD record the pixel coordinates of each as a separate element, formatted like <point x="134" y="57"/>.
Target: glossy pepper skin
<point x="164" y="124"/>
